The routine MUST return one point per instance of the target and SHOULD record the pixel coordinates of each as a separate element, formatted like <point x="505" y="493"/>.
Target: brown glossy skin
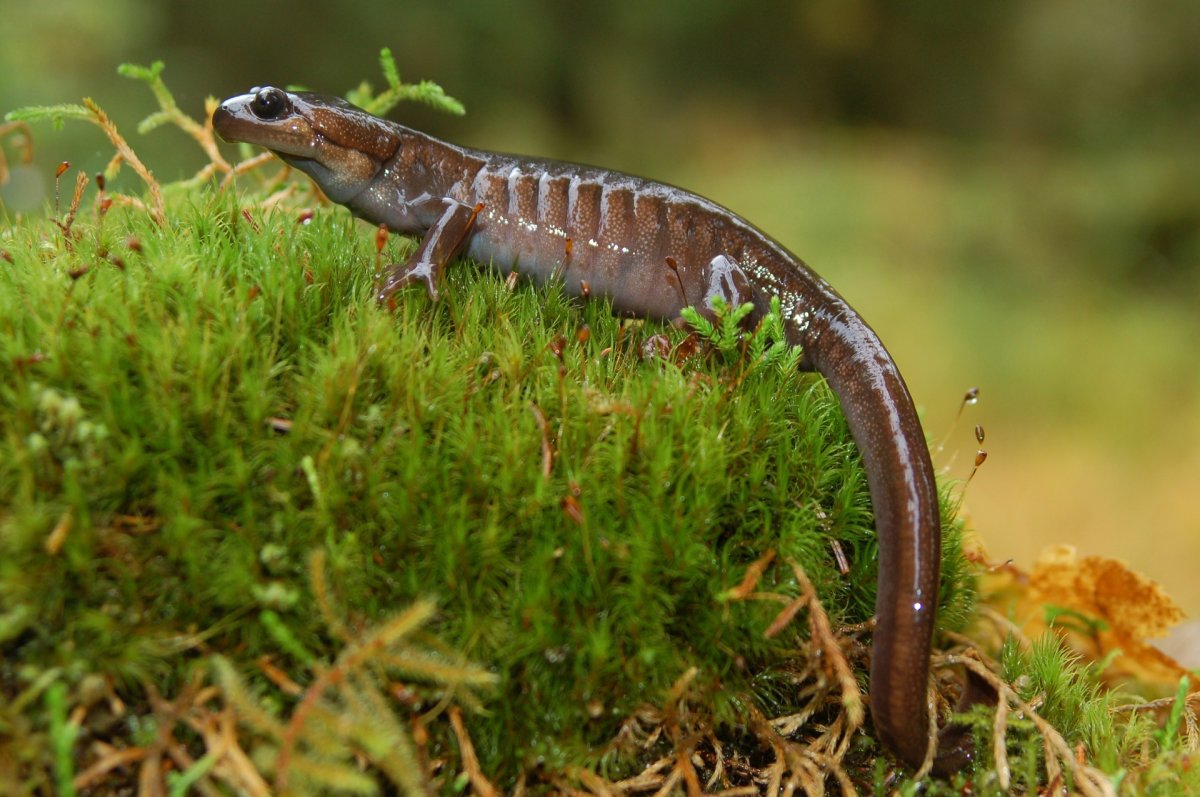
<point x="652" y="249"/>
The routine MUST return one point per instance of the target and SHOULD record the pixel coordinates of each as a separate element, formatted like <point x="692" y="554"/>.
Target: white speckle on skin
<point x="801" y="319"/>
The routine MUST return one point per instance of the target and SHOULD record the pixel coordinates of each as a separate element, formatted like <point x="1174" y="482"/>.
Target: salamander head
<point x="339" y="145"/>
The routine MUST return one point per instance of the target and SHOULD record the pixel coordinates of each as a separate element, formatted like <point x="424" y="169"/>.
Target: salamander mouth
<point x="300" y="162"/>
<point x="224" y="124"/>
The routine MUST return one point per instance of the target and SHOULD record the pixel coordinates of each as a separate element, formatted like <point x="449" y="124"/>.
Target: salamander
<point x="652" y="250"/>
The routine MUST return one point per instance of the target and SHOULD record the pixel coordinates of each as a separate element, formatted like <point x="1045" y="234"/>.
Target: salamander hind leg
<point x="726" y="280"/>
<point x="722" y="279"/>
<point x="444" y="239"/>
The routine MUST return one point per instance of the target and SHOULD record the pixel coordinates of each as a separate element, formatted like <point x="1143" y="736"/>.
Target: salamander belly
<point x="586" y="266"/>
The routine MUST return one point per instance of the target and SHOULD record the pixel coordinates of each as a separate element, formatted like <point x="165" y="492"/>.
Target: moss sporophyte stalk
<point x="259" y="533"/>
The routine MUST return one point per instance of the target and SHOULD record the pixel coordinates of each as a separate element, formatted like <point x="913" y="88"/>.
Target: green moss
<point x="142" y="404"/>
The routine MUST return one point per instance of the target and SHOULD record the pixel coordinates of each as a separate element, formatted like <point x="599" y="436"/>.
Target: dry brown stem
<point x="157" y="209"/>
<point x="21" y="132"/>
<point x="470" y="761"/>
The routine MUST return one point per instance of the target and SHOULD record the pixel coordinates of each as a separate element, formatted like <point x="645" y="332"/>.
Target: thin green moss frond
<point x="426" y="92"/>
<point x="152" y="77"/>
<point x="62" y="739"/>
<point x="56" y="115"/>
<point x="343" y="712"/>
<point x="764" y="346"/>
<point x="386" y="742"/>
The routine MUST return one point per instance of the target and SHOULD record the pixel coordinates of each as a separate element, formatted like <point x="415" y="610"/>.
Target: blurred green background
<point x="1008" y="191"/>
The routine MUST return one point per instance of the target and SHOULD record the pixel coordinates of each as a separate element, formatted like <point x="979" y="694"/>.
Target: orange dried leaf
<point x="1130" y="608"/>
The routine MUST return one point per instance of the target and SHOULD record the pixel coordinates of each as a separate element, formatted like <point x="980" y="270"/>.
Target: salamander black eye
<point x="269" y="103"/>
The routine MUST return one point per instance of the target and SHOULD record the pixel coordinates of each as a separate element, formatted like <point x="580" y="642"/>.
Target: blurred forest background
<point x="1008" y="191"/>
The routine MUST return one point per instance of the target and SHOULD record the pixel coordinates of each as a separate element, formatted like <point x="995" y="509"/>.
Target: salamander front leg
<point x="443" y="240"/>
